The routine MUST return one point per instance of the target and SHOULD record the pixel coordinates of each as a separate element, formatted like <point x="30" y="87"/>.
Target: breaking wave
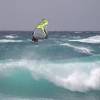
<point x="9" y="40"/>
<point x="81" y="49"/>
<point x="74" y="76"/>
<point x="93" y="39"/>
<point x="11" y="36"/>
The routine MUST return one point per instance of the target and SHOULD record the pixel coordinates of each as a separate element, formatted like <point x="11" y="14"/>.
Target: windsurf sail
<point x="40" y="31"/>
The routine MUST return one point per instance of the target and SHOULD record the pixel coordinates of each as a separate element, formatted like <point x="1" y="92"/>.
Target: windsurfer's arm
<point x="32" y="33"/>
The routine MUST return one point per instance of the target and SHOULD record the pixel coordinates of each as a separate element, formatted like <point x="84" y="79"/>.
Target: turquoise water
<point x="66" y="66"/>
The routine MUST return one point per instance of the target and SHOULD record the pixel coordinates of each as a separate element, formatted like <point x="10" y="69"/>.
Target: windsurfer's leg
<point x="34" y="39"/>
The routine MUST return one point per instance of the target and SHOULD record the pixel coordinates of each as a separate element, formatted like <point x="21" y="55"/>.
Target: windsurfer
<point x="40" y="32"/>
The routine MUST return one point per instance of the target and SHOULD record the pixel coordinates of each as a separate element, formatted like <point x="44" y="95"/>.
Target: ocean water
<point x="66" y="66"/>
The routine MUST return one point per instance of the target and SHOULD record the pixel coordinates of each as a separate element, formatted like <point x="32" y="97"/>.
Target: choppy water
<point x="66" y="66"/>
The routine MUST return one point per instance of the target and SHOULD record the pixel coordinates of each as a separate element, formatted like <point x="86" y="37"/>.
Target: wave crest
<point x="93" y="39"/>
<point x="12" y="36"/>
<point x="9" y="40"/>
<point x="73" y="76"/>
<point x="85" y="50"/>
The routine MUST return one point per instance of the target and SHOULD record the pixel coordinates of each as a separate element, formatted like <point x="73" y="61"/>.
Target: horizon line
<point x="58" y="30"/>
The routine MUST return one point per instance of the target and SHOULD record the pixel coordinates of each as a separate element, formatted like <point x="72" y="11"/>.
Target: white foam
<point x="11" y="36"/>
<point x="81" y="81"/>
<point x="94" y="79"/>
<point x="78" y="32"/>
<point x="74" y="76"/>
<point x="93" y="39"/>
<point x="80" y="49"/>
<point x="7" y="97"/>
<point x="9" y="40"/>
<point x="19" y="98"/>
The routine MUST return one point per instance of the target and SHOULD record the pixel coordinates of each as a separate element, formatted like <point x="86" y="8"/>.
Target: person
<point x="40" y="31"/>
<point x="34" y="39"/>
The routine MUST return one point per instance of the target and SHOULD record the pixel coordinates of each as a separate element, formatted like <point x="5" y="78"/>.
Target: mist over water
<point x="65" y="66"/>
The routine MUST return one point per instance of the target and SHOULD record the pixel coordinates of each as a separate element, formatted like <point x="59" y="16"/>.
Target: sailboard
<point x="40" y="31"/>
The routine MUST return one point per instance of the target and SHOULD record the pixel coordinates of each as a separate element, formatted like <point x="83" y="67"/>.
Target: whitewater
<point x="66" y="66"/>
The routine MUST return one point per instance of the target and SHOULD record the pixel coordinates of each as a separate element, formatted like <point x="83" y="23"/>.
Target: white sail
<point x="39" y="34"/>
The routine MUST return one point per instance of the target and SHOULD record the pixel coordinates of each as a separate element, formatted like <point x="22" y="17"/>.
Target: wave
<point x="11" y="36"/>
<point x="74" y="76"/>
<point x="93" y="39"/>
<point x="81" y="49"/>
<point x="9" y="40"/>
<point x="5" y="97"/>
